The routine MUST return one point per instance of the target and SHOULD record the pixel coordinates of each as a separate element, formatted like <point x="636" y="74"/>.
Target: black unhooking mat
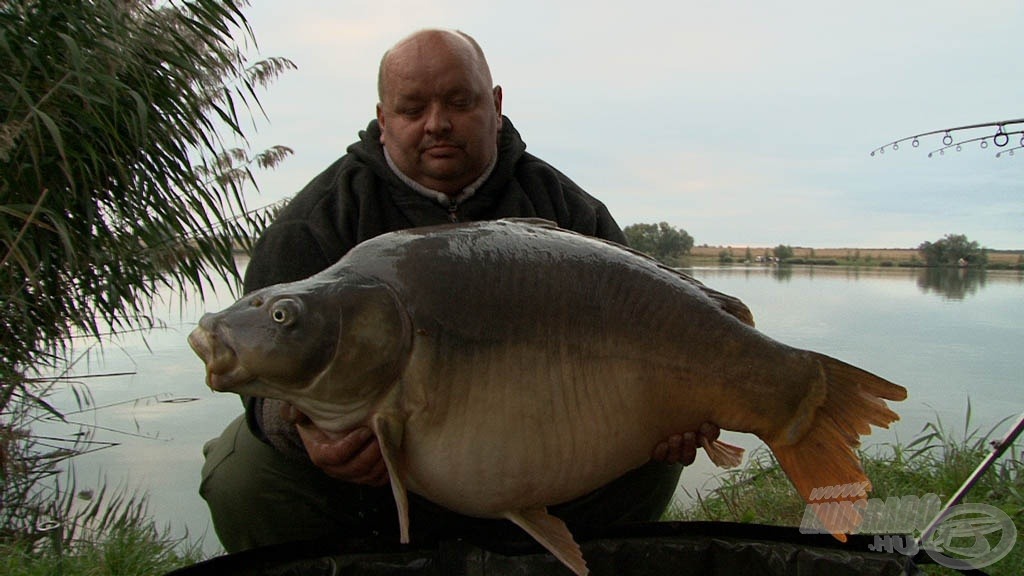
<point x="670" y="548"/>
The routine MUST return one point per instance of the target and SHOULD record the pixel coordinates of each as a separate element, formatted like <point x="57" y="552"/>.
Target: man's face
<point x="439" y="117"/>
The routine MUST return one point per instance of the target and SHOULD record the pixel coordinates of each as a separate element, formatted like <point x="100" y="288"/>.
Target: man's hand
<point x="353" y="456"/>
<point x="682" y="448"/>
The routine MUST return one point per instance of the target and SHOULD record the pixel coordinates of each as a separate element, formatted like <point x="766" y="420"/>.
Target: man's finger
<point x="675" y="448"/>
<point x="376" y="477"/>
<point x="710" y="431"/>
<point x="688" y="449"/>
<point x="360" y="466"/>
<point x="352" y="443"/>
<point x="660" y="452"/>
<point x="292" y="414"/>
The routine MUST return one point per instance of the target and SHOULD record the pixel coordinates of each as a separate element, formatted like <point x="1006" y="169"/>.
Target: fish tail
<point x="822" y="462"/>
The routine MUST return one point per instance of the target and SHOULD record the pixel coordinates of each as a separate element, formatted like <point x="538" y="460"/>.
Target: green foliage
<point x="782" y="252"/>
<point x="114" y="179"/>
<point x="953" y="250"/>
<point x="136" y="549"/>
<point x="665" y="243"/>
<point x="757" y="492"/>
<point x="73" y="531"/>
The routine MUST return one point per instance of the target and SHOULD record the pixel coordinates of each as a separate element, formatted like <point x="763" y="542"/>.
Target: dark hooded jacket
<point x="360" y="197"/>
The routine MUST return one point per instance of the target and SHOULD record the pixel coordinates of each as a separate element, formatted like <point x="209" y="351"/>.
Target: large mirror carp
<point x="509" y="365"/>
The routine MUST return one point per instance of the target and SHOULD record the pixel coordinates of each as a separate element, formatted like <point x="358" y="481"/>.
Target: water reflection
<point x="948" y="283"/>
<point x="784" y="273"/>
<point x="951" y="283"/>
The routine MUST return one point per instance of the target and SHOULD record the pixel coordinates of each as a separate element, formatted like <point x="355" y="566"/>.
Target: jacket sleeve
<point x="566" y="202"/>
<point x="286" y="252"/>
<point x="605" y="226"/>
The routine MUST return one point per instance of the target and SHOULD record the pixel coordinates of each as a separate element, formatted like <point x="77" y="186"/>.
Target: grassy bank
<point x="127" y="550"/>
<point x="937" y="462"/>
<point x="108" y="532"/>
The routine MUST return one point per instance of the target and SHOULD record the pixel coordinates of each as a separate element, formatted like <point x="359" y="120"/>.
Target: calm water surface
<point x="950" y="337"/>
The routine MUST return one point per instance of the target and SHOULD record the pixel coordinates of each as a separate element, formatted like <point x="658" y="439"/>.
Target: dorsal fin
<point x="729" y="304"/>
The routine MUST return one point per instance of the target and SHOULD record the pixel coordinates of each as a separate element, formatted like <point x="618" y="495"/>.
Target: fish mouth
<point x="223" y="371"/>
<point x="229" y="381"/>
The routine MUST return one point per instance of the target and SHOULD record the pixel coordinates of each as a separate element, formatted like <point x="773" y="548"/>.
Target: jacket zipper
<point x="453" y="210"/>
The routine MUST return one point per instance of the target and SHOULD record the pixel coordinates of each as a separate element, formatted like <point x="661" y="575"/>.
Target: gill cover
<point x="374" y="341"/>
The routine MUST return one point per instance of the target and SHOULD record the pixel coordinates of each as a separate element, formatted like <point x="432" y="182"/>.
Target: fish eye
<point x="285" y="311"/>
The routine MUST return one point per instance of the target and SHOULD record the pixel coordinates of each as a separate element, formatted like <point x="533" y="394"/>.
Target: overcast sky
<point x="742" y="122"/>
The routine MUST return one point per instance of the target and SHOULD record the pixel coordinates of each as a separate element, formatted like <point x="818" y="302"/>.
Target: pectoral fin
<point x="722" y="454"/>
<point x="389" y="436"/>
<point x="552" y="533"/>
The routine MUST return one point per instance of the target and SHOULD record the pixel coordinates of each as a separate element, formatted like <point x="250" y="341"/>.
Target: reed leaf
<point x="114" y="177"/>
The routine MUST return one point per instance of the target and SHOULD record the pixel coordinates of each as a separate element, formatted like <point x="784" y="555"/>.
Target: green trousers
<point x="258" y="497"/>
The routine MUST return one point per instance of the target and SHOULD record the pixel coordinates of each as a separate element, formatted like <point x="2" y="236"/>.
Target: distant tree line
<point x="953" y="250"/>
<point x="670" y="245"/>
<point x="783" y="252"/>
<point x="661" y="241"/>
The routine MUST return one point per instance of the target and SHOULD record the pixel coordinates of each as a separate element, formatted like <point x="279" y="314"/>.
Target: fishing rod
<point x="998" y="449"/>
<point x="1001" y="137"/>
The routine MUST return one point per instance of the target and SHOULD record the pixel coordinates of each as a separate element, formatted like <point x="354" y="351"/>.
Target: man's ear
<point x="497" y="104"/>
<point x="380" y="120"/>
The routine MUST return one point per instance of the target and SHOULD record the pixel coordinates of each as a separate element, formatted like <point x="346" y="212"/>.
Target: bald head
<point x="438" y="113"/>
<point x="425" y="43"/>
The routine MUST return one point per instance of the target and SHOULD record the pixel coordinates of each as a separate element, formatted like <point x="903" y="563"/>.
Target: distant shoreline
<point x="1012" y="259"/>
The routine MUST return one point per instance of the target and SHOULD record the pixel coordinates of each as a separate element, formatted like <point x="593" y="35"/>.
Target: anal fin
<point x="553" y="534"/>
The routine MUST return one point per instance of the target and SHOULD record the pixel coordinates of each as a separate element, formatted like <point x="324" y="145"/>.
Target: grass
<point x="138" y="549"/>
<point x="86" y="533"/>
<point x="936" y="462"/>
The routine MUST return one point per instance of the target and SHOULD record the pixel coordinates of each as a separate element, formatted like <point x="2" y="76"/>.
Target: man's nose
<point x="438" y="120"/>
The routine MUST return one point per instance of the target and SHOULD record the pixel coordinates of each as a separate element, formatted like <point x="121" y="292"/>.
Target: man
<point x="439" y="151"/>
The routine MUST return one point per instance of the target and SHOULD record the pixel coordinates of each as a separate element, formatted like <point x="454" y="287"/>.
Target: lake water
<point x="951" y="337"/>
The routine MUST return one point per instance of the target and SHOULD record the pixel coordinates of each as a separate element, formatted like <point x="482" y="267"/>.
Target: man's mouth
<point x="442" y="149"/>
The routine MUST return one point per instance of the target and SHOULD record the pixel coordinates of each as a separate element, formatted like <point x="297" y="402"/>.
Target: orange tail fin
<point x="823" y="463"/>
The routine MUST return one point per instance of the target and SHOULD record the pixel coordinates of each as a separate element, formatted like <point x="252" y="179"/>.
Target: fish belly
<point x="516" y="446"/>
<point x="510" y="427"/>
